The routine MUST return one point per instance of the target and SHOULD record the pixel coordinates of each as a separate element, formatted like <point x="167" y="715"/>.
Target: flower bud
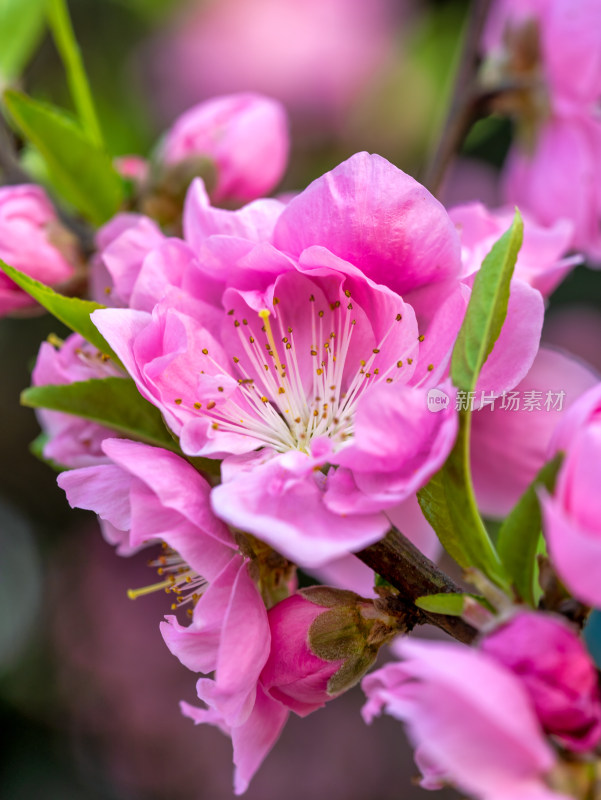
<point x="33" y="241"/>
<point x="244" y="134"/>
<point x="323" y="641"/>
<point x="557" y="672"/>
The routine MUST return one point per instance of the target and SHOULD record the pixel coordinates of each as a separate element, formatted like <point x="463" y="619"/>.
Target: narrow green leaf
<point x="84" y="173"/>
<point x="71" y="311"/>
<point x="66" y="44"/>
<point x="21" y="26"/>
<point x="487" y="308"/>
<point x="113" y="402"/>
<point x="446" y="603"/>
<point x="520" y="533"/>
<point x="448" y="501"/>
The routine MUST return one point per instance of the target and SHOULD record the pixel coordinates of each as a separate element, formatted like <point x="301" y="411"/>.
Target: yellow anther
<point x="154" y="587"/>
<point x="264" y="313"/>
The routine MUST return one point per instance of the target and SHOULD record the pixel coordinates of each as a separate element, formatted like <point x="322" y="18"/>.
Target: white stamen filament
<point x="274" y="406"/>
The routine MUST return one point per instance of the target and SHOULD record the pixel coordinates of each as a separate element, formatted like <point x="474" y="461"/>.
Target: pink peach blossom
<point x="336" y="423"/>
<point x="32" y="240"/>
<point x="551" y="661"/>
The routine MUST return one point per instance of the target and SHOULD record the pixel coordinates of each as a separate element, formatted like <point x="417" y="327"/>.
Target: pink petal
<point x="254" y="221"/>
<point x="368" y="212"/>
<point x="282" y="503"/>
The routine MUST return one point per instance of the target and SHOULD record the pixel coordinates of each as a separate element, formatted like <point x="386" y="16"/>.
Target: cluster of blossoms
<point x="291" y="347"/>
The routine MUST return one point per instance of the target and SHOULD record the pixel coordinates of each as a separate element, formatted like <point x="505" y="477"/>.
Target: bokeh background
<point x="88" y="693"/>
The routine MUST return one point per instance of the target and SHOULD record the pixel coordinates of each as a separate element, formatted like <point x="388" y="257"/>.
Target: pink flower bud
<point x="246" y="135"/>
<point x="133" y="168"/>
<point x="323" y="641"/>
<point x="293" y="674"/>
<point x="557" y="672"/>
<point x="33" y="241"/>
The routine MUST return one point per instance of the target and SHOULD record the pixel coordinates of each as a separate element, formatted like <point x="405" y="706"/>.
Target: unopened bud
<point x="33" y="241"/>
<point x="552" y="663"/>
<point x="323" y="641"/>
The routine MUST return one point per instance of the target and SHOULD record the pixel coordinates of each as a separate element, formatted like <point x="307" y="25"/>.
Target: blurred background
<point x="88" y="692"/>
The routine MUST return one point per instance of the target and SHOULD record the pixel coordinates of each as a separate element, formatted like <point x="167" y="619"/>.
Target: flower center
<point x="296" y="383"/>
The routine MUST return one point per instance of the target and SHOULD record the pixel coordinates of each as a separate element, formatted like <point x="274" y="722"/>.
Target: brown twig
<point x="413" y="575"/>
<point x="467" y="103"/>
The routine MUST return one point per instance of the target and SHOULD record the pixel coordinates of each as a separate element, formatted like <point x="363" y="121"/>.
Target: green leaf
<point x="520" y="534"/>
<point x="71" y="311"/>
<point x="445" y="603"/>
<point x="113" y="402"/>
<point x="21" y="26"/>
<point x="83" y="172"/>
<point x="448" y="501"/>
<point x="487" y="308"/>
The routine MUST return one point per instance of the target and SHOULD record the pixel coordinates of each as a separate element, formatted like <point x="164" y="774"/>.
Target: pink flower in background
<point x="553" y="50"/>
<point x="72" y="441"/>
<point x="32" y="240"/>
<point x="510" y="442"/>
<point x="551" y="661"/>
<point x="246" y="135"/>
<point x="568" y="44"/>
<point x="572" y="515"/>
<point x="315" y="56"/>
<point x="560" y="178"/>
<point x="470" y="719"/>
<point x="541" y="262"/>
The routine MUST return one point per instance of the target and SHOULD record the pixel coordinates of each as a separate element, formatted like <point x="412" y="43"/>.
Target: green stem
<point x="66" y="44"/>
